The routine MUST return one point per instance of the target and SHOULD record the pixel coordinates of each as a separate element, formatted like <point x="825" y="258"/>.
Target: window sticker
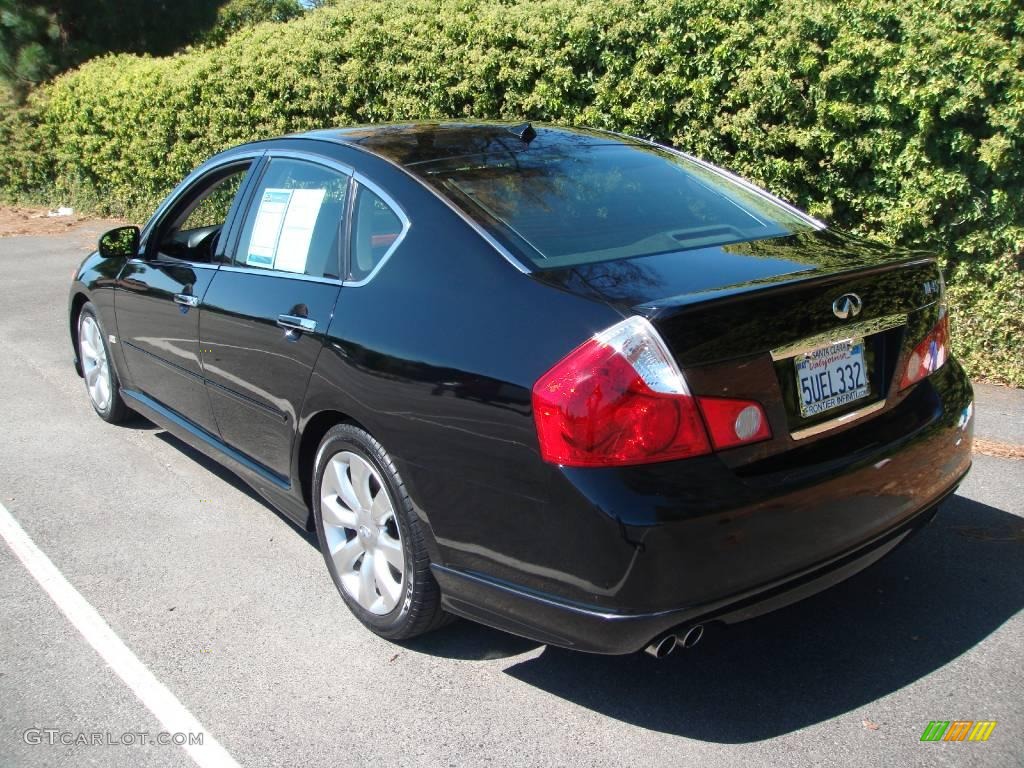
<point x="297" y="229"/>
<point x="267" y="229"/>
<point x="283" y="229"/>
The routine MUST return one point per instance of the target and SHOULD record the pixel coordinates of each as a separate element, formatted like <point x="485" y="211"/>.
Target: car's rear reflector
<point x="734" y="422"/>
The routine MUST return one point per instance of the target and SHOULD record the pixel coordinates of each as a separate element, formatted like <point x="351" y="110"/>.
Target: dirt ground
<point x="19" y="220"/>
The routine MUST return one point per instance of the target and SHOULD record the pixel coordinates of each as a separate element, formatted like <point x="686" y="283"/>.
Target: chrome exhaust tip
<point x="662" y="647"/>
<point x="693" y="636"/>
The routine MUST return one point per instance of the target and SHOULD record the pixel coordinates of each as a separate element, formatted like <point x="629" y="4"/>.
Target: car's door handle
<point x="186" y="300"/>
<point x="296" y="323"/>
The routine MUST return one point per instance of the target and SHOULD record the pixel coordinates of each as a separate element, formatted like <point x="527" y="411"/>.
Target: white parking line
<point x="151" y="692"/>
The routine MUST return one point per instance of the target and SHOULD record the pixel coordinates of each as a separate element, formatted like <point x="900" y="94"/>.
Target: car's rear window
<point x="564" y="207"/>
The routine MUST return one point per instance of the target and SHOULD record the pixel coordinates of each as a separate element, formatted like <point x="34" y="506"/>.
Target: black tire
<point x="418" y="609"/>
<point x="115" y="411"/>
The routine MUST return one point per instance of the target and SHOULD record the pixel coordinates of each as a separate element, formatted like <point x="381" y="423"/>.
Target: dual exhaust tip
<point x="664" y="645"/>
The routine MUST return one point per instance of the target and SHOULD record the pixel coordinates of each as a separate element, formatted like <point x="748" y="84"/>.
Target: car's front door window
<point x="190" y="231"/>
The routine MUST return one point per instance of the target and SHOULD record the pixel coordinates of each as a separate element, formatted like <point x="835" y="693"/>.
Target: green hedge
<point x="903" y="121"/>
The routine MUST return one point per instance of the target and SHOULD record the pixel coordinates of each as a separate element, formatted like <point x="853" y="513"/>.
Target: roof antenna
<point x="524" y="132"/>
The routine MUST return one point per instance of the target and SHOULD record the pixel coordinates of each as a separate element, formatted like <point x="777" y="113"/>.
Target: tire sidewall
<point x="347" y="437"/>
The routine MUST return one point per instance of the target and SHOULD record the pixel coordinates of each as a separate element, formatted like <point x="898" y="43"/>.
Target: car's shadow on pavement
<point x="470" y="641"/>
<point x="231" y="479"/>
<point x="930" y="601"/>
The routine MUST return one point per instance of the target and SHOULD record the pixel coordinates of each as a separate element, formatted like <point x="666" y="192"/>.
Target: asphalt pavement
<point x="231" y="609"/>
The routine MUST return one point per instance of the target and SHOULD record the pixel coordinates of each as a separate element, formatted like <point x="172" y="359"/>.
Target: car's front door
<point x="159" y="297"/>
<point x="265" y="313"/>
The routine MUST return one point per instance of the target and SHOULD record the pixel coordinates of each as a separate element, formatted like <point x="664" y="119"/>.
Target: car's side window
<point x="376" y="228"/>
<point x="191" y="229"/>
<point x="295" y="220"/>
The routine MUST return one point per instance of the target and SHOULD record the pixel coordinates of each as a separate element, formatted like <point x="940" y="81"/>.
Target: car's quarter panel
<point x="160" y="337"/>
<point x="256" y="371"/>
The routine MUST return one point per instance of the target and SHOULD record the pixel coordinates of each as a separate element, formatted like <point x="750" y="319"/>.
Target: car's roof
<point x="424" y="142"/>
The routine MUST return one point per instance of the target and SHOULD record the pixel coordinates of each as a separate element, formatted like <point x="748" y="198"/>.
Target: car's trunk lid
<point x="717" y="303"/>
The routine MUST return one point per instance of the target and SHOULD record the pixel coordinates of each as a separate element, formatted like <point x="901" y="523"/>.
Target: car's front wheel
<point x="371" y="537"/>
<point x="100" y="377"/>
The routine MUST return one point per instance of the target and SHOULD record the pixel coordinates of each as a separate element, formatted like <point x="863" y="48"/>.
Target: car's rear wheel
<point x="100" y="377"/>
<point x="371" y="537"/>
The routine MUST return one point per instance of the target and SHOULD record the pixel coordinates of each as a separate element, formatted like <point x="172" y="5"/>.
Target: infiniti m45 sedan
<point x="574" y="385"/>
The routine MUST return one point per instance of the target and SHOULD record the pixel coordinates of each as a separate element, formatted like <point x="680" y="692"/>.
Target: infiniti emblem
<point x="846" y="306"/>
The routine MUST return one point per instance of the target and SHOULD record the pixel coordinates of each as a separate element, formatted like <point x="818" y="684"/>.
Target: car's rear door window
<point x="295" y="220"/>
<point x="564" y="207"/>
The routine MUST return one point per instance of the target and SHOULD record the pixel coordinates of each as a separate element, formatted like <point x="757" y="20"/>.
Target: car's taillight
<point x="620" y="398"/>
<point x="929" y="355"/>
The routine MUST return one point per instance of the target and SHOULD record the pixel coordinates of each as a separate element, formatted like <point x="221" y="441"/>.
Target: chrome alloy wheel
<point x="95" y="366"/>
<point x="361" y="532"/>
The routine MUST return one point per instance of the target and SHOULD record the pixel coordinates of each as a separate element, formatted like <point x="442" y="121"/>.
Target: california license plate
<point x="831" y="377"/>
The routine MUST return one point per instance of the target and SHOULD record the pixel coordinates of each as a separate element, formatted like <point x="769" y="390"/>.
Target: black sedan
<point x="571" y="384"/>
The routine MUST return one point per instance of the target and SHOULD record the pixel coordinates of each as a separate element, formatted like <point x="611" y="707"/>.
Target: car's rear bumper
<point x="731" y="546"/>
<point x="587" y="628"/>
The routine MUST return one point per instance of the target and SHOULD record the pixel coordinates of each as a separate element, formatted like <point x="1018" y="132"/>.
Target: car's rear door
<point x="266" y="311"/>
<point x="160" y="293"/>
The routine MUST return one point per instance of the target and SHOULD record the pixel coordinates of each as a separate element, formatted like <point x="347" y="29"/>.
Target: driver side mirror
<point x="120" y="243"/>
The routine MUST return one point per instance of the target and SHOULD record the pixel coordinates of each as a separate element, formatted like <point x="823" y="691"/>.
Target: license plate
<point x="830" y="377"/>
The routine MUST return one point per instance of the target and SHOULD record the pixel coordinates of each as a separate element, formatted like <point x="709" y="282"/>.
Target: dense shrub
<point x="235" y="15"/>
<point x="904" y="121"/>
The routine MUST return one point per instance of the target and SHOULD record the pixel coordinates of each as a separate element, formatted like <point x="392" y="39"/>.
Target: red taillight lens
<point x="621" y="399"/>
<point x="617" y="399"/>
<point x="929" y="355"/>
<point x="734" y="422"/>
